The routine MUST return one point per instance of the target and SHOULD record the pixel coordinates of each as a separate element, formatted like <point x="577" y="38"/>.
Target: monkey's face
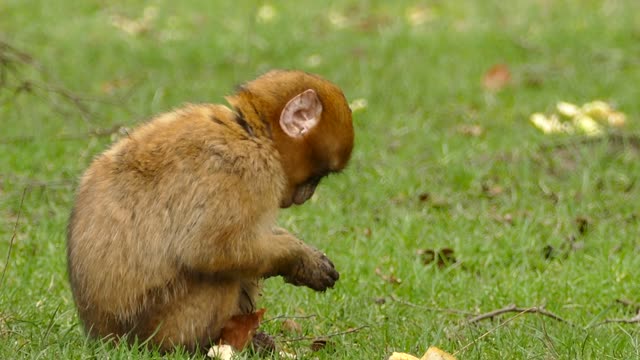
<point x="311" y="123"/>
<point x="316" y="140"/>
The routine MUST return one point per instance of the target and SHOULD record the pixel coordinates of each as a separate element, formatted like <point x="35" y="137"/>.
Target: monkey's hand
<point x="313" y="270"/>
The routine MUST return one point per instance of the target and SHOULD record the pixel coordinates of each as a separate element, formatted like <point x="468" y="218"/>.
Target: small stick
<point x="513" y="308"/>
<point x="627" y="302"/>
<point x="350" y="331"/>
<point x="633" y="320"/>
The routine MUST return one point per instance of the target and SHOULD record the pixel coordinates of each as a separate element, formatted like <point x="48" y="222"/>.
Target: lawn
<point x="454" y="205"/>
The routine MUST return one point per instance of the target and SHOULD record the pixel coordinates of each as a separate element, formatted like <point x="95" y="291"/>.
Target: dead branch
<point x="309" y="338"/>
<point x="513" y="308"/>
<point x="429" y="308"/>
<point x="13" y="237"/>
<point x="629" y="303"/>
<point x="632" y="320"/>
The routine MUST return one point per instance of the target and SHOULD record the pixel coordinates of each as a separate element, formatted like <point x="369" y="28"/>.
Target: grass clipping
<point x="433" y="353"/>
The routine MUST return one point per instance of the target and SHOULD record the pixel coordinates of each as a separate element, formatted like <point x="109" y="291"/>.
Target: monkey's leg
<point x="193" y="319"/>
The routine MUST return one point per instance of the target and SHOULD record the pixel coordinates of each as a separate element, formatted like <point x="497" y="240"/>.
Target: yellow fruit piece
<point x="402" y="356"/>
<point x="617" y="119"/>
<point x="567" y="109"/>
<point x="433" y="353"/>
<point x="221" y="352"/>
<point x="587" y="125"/>
<point x="597" y="109"/>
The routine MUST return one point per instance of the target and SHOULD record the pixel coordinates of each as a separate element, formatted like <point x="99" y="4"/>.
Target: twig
<point x="307" y="338"/>
<point x="633" y="320"/>
<point x="429" y="308"/>
<point x="289" y="317"/>
<point x="513" y="308"/>
<point x="13" y="237"/>
<point x="627" y="302"/>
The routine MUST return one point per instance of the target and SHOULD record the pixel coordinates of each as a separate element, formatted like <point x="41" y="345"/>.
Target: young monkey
<point x="174" y="226"/>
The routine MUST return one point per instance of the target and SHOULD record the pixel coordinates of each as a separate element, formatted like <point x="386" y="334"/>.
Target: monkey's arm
<point x="311" y="268"/>
<point x="274" y="253"/>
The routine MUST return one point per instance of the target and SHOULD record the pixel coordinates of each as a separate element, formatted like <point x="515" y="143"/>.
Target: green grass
<point x="497" y="200"/>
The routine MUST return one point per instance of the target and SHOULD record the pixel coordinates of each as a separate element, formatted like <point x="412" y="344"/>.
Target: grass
<point x="530" y="222"/>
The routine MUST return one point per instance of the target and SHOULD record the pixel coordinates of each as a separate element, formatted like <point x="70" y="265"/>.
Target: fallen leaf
<point x="392" y="279"/>
<point x="548" y="252"/>
<point x="442" y="257"/>
<point x="492" y="190"/>
<point x="290" y="326"/>
<point x="239" y="330"/>
<point x="318" y="344"/>
<point x="583" y="223"/>
<point x="473" y="130"/>
<point x="380" y="300"/>
<point x="497" y="77"/>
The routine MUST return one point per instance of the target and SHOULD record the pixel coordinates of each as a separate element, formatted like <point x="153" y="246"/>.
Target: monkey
<point x="173" y="227"/>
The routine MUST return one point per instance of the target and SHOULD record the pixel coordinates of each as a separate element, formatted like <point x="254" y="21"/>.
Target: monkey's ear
<point x="301" y="114"/>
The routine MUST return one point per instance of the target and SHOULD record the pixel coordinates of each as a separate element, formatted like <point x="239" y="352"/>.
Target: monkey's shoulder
<point x="195" y="139"/>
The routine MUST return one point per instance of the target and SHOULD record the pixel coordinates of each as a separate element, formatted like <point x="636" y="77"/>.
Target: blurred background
<point x="449" y="159"/>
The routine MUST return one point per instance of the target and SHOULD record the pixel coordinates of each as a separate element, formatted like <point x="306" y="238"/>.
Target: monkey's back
<point x="154" y="194"/>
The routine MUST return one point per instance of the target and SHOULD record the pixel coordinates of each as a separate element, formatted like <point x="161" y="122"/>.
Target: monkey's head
<point x="310" y="123"/>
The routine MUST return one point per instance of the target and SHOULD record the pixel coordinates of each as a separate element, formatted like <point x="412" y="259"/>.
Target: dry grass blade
<point x="13" y="237"/>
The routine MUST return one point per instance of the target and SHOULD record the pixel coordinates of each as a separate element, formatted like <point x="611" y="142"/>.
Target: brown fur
<point x="174" y="225"/>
